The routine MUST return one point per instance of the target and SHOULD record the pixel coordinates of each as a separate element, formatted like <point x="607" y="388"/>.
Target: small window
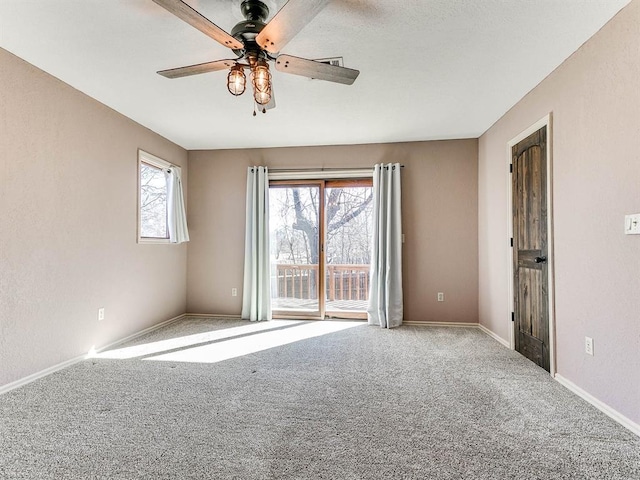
<point x="152" y="198"/>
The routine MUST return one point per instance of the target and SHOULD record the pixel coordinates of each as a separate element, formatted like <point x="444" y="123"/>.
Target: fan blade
<point x="197" y="20"/>
<point x="289" y="20"/>
<point x="313" y="69"/>
<point x="272" y="102"/>
<point x="197" y="69"/>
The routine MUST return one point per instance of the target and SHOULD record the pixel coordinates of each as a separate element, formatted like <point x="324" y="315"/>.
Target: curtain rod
<point x="320" y="169"/>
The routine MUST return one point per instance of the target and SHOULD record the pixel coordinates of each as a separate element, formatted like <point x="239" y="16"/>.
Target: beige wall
<point x="68" y="225"/>
<point x="439" y="221"/>
<point x="595" y="100"/>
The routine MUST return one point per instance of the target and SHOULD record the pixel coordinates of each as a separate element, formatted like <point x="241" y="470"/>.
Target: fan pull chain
<point x="264" y="110"/>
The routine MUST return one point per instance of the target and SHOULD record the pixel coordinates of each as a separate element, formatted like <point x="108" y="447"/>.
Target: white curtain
<point x="256" y="296"/>
<point x="176" y="216"/>
<point x="385" y="292"/>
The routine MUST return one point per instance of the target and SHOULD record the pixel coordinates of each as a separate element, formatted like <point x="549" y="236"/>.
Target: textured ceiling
<point x="430" y="69"/>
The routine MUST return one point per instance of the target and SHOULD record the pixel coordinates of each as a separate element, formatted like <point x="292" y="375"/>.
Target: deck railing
<point x="343" y="282"/>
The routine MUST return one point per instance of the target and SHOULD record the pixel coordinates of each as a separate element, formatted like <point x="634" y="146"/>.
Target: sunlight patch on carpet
<point x="186" y="341"/>
<point x="237" y="347"/>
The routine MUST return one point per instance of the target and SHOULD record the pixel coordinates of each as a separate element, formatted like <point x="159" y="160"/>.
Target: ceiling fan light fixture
<point x="261" y="80"/>
<point x="256" y="41"/>
<point x="236" y="80"/>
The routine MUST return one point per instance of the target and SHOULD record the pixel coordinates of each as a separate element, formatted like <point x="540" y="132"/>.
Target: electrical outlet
<point x="632" y="224"/>
<point x="101" y="313"/>
<point x="234" y="292"/>
<point x="440" y="297"/>
<point x="588" y="345"/>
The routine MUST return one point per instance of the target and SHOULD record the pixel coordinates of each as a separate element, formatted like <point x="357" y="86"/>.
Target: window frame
<point x="153" y="161"/>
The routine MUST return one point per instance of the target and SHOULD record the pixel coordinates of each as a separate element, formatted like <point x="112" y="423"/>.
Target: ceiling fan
<point x="255" y="44"/>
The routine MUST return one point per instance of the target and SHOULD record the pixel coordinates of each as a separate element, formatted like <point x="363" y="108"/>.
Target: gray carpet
<point x="361" y="403"/>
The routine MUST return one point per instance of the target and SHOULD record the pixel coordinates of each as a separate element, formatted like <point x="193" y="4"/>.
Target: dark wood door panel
<point x="530" y="211"/>
<point x="530" y="303"/>
<point x="529" y="191"/>
<point x="534" y="349"/>
<point x="527" y="258"/>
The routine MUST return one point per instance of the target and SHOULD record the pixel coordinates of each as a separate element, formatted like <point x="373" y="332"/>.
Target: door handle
<point x="540" y="260"/>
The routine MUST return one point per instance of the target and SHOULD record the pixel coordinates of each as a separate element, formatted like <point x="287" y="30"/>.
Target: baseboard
<point x="414" y="323"/>
<point x="42" y="373"/>
<point x="67" y="363"/>
<point x="482" y="328"/>
<point x="603" y="407"/>
<point x="140" y="333"/>
<point x="211" y="315"/>
<point x="493" y="335"/>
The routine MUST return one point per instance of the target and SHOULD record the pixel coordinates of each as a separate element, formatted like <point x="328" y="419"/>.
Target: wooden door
<point x="530" y="250"/>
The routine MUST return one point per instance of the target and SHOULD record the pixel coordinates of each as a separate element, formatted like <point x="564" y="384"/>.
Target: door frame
<point x="545" y="121"/>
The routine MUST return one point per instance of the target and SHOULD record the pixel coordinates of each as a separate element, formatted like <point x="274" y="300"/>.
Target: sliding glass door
<point x="295" y="211"/>
<point x="320" y="247"/>
<point x="349" y="210"/>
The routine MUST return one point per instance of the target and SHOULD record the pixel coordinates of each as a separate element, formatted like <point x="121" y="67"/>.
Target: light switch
<point x="632" y="224"/>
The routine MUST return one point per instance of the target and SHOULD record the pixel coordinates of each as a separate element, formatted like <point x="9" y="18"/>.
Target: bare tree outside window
<point x="295" y="212"/>
<point x="153" y="202"/>
<point x="349" y="216"/>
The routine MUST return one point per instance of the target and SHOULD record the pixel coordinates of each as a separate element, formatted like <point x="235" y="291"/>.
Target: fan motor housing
<point x="246" y="32"/>
<point x="254" y="10"/>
